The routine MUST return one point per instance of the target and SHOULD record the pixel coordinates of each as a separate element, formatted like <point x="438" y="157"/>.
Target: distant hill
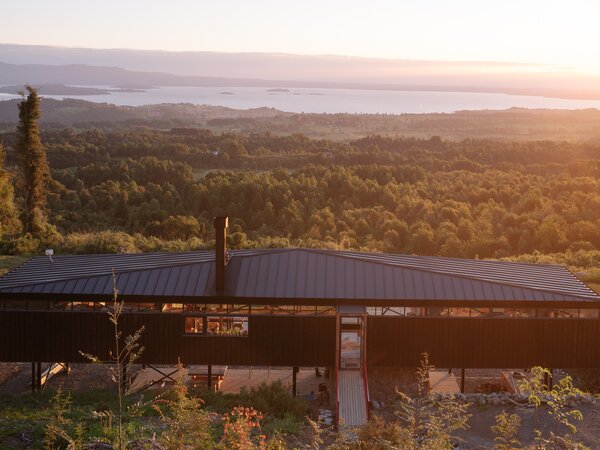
<point x="81" y="74"/>
<point x="342" y="74"/>
<point x="57" y="89"/>
<point x="313" y="68"/>
<point x="513" y="124"/>
<point x="73" y="112"/>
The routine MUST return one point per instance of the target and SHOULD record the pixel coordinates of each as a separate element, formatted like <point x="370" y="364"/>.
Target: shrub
<point x="275" y="400"/>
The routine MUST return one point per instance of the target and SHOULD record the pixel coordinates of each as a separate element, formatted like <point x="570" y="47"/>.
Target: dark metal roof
<point x="143" y="274"/>
<point x="303" y="273"/>
<point x="298" y="273"/>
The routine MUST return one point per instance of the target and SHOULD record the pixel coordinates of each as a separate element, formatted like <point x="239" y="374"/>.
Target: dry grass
<point x="8" y="263"/>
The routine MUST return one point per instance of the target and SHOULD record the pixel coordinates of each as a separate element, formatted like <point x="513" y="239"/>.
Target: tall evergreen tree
<point x="34" y="165"/>
<point x="9" y="221"/>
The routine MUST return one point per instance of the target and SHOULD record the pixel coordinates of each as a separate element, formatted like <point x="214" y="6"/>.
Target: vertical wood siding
<point x="272" y="340"/>
<point x="482" y="342"/>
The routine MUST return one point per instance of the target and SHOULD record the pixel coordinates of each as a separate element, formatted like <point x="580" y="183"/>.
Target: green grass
<point x="8" y="263"/>
<point x="23" y="418"/>
<point x="28" y="414"/>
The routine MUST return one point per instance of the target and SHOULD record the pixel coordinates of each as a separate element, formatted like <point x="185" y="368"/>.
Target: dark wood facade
<point x="272" y="340"/>
<point x="484" y="342"/>
<point x="309" y="340"/>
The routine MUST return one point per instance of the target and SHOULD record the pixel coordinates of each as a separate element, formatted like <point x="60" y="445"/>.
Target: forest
<point x="514" y="124"/>
<point x="145" y="189"/>
<point x="140" y="189"/>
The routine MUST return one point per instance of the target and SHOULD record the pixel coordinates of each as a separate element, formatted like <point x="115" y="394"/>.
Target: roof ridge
<point x="263" y="251"/>
<point x="451" y="258"/>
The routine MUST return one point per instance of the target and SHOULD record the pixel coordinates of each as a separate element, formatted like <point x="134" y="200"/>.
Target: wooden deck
<point x="236" y="378"/>
<point x="193" y="375"/>
<point x="353" y="404"/>
<point x="232" y="378"/>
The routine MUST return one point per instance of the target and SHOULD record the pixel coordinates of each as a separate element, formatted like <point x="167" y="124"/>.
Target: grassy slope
<point x="8" y="263"/>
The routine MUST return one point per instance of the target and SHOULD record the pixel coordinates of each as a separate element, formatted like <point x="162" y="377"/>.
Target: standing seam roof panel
<point x="183" y="281"/>
<point x="172" y="281"/>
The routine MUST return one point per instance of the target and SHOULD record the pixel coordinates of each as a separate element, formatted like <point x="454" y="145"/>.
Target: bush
<point x="274" y="400"/>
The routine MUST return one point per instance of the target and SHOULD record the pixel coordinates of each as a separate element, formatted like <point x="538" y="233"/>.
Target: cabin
<point x="344" y="310"/>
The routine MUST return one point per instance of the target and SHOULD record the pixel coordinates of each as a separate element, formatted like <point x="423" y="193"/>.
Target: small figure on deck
<point x="324" y="396"/>
<point x="317" y="372"/>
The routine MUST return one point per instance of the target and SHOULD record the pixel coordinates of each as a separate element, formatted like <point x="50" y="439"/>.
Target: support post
<point x="38" y="375"/>
<point x="294" y="378"/>
<point x="450" y="371"/>
<point x="32" y="377"/>
<point x="462" y="380"/>
<point x="209" y="376"/>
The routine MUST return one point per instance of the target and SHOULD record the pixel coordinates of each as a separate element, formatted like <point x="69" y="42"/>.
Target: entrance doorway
<point x="351" y="342"/>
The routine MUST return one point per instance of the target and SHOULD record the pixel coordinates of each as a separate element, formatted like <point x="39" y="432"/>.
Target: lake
<point x="310" y="100"/>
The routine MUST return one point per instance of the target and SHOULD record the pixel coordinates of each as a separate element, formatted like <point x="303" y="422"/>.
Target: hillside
<point x="513" y="124"/>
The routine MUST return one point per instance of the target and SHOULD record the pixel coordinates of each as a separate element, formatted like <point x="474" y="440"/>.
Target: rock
<point x="496" y="401"/>
<point x="481" y="401"/>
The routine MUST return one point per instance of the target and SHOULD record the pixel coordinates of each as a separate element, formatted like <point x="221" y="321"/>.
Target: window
<point x="588" y="313"/>
<point x="194" y="325"/>
<point x="216" y="325"/>
<point x="227" y="326"/>
<point x="172" y="307"/>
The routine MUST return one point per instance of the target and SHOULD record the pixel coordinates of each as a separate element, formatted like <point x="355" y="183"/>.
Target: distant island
<point x="226" y="93"/>
<point x="132" y="87"/>
<point x="278" y="90"/>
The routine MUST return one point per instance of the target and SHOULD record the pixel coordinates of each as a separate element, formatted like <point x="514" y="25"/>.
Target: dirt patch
<point x="480" y="436"/>
<point x="9" y="370"/>
<point x="82" y="377"/>
<point x="383" y="384"/>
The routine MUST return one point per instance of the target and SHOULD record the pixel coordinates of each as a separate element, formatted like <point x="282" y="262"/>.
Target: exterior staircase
<point x="352" y="398"/>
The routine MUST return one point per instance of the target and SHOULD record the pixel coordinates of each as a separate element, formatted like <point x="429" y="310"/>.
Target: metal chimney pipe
<point x="220" y="224"/>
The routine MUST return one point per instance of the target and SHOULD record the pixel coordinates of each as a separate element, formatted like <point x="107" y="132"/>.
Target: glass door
<point x="351" y="342"/>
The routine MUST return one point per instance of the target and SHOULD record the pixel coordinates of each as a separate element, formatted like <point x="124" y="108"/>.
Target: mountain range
<point x="132" y="69"/>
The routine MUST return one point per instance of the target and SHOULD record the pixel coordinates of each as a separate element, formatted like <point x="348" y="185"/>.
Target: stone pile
<point x="325" y="417"/>
<point x="506" y="398"/>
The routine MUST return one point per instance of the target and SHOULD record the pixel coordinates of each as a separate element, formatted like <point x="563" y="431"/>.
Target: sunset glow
<point x="559" y="34"/>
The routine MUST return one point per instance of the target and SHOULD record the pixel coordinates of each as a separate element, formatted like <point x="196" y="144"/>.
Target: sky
<point x="564" y="34"/>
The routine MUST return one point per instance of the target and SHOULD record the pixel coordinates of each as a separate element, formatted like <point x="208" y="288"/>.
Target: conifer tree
<point x="9" y="222"/>
<point x="34" y="165"/>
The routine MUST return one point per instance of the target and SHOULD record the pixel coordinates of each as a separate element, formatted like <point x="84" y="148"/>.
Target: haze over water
<point x="311" y="100"/>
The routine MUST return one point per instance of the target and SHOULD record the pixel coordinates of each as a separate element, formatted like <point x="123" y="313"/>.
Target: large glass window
<point x="227" y="326"/>
<point x="216" y="325"/>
